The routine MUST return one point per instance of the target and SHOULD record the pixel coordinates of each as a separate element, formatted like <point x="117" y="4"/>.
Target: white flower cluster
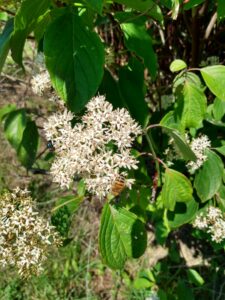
<point x="213" y="222"/>
<point x="25" y="236"/>
<point x="97" y="148"/>
<point x="198" y="146"/>
<point x="41" y="83"/>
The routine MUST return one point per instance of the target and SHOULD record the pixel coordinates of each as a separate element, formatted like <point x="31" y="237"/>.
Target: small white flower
<point x="97" y="148"/>
<point x="198" y="146"/>
<point x="25" y="236"/>
<point x="200" y="222"/>
<point x="213" y="222"/>
<point x="41" y="83"/>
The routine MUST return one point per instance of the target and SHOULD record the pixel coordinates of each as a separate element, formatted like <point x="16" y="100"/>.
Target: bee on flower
<point x="98" y="148"/>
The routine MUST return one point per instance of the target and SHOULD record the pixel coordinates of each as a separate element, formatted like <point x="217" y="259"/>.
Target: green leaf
<point x="25" y="21"/>
<point x="184" y="292"/>
<point x="137" y="39"/>
<point x="170" y="121"/>
<point x="183" y="77"/>
<point x="182" y="214"/>
<point x="131" y="84"/>
<point x="142" y="5"/>
<point x="221" y="198"/>
<point x="146" y="6"/>
<point x="4" y="16"/>
<point x="75" y="60"/>
<point x="28" y="147"/>
<point x="142" y="283"/>
<point x="41" y="25"/>
<point x="177" y="65"/>
<point x="176" y="188"/>
<point x="221" y="150"/>
<point x="5" y="42"/>
<point x="214" y="77"/>
<point x="5" y="110"/>
<point x="70" y="201"/>
<point x="96" y="5"/>
<point x="194" y="106"/>
<point x="15" y="124"/>
<point x="218" y="109"/>
<point x="220" y="10"/>
<point x="110" y="88"/>
<point x="181" y="144"/>
<point x="195" y="277"/>
<point x="121" y="235"/>
<point x="209" y="178"/>
<point x="192" y="3"/>
<point x="175" y="8"/>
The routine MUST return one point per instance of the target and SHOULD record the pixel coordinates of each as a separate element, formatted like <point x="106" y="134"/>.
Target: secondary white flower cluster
<point x="25" y="235"/>
<point x="213" y="222"/>
<point x="198" y="146"/>
<point x="41" y="83"/>
<point x="97" y="148"/>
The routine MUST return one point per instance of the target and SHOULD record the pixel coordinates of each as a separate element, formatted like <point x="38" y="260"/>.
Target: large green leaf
<point x="194" y="106"/>
<point x="28" y="147"/>
<point x="214" y="77"/>
<point x="181" y="78"/>
<point x="15" y="124"/>
<point x="75" y="58"/>
<point x="5" y="42"/>
<point x="121" y="235"/>
<point x="146" y="6"/>
<point x="209" y="178"/>
<point x="171" y="121"/>
<point x="110" y="88"/>
<point x="41" y="25"/>
<point x="176" y="188"/>
<point x="25" y="21"/>
<point x="137" y="39"/>
<point x="131" y="84"/>
<point x="181" y="144"/>
<point x="182" y="214"/>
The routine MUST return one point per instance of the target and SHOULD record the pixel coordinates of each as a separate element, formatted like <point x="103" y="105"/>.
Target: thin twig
<point x="210" y="26"/>
<point x="158" y="159"/>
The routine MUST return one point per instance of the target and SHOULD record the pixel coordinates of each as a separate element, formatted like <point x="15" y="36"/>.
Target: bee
<point x="50" y="146"/>
<point x="118" y="186"/>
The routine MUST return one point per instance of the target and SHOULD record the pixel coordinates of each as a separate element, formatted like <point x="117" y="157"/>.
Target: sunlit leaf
<point x="176" y="188"/>
<point x="182" y="214"/>
<point x="5" y="42"/>
<point x="25" y="21"/>
<point x="75" y="58"/>
<point x="122" y="235"/>
<point x="214" y="77"/>
<point x="14" y="126"/>
<point x="209" y="177"/>
<point x="177" y="65"/>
